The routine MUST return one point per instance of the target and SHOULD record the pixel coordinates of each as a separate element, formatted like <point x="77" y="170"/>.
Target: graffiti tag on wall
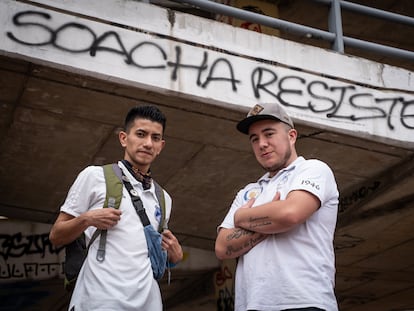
<point x="322" y="97"/>
<point x="29" y="256"/>
<point x="224" y="285"/>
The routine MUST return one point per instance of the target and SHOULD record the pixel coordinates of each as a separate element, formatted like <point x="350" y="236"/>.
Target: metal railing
<point x="334" y="36"/>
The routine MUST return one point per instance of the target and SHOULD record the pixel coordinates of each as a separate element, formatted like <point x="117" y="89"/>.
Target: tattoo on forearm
<point x="238" y="233"/>
<point x="247" y="245"/>
<point x="259" y="222"/>
<point x="231" y="250"/>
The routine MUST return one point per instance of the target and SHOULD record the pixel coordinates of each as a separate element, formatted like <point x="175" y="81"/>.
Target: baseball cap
<point x="264" y="111"/>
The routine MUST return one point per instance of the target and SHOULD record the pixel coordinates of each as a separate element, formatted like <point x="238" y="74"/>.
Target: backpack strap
<point x="159" y="192"/>
<point x="114" y="185"/>
<point x="113" y="199"/>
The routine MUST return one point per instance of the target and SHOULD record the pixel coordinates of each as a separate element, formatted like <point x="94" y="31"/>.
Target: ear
<point x="293" y="134"/>
<point x="162" y="146"/>
<point x="122" y="138"/>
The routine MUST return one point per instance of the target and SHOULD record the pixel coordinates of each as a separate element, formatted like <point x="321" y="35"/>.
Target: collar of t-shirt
<point x="266" y="178"/>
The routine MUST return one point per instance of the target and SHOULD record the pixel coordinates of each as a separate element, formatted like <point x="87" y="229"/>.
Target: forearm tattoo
<point x="248" y="244"/>
<point x="259" y="222"/>
<point x="237" y="233"/>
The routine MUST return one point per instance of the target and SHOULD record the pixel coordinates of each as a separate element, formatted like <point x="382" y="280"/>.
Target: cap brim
<point x="244" y="125"/>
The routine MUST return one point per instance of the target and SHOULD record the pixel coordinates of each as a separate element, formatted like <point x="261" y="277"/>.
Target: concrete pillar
<point x="224" y="285"/>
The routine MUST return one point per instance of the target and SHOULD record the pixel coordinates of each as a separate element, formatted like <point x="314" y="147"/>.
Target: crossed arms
<point x="253" y="225"/>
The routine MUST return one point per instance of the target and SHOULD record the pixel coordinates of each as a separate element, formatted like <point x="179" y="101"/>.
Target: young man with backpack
<point x="124" y="279"/>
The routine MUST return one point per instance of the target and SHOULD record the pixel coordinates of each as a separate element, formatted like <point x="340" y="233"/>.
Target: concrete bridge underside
<point x="53" y="123"/>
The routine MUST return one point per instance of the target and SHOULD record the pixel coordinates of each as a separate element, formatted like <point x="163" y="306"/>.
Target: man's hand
<point x="67" y="227"/>
<point x="103" y="218"/>
<point x="172" y="246"/>
<point x="248" y="204"/>
<point x="276" y="197"/>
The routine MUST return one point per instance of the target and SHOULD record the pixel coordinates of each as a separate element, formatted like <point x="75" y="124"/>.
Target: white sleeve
<point x="87" y="192"/>
<point x="317" y="178"/>
<point x="248" y="192"/>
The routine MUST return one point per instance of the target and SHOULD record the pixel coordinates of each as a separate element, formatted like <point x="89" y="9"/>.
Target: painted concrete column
<point x="224" y="285"/>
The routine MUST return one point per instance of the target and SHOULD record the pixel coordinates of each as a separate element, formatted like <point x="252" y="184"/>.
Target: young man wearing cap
<point x="281" y="228"/>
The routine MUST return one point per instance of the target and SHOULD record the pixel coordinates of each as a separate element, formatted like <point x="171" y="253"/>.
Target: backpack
<point x="76" y="251"/>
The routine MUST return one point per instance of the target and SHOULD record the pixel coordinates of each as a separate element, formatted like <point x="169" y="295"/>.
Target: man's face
<point x="273" y="144"/>
<point x="143" y="143"/>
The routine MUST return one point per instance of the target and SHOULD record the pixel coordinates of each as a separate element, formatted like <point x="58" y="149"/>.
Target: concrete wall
<point x="141" y="45"/>
<point x="147" y="46"/>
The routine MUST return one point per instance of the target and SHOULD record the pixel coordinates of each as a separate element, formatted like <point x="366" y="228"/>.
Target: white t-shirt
<point x="294" y="269"/>
<point x="124" y="280"/>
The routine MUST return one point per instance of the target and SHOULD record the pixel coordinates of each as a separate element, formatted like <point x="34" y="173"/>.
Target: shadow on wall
<point x="34" y="295"/>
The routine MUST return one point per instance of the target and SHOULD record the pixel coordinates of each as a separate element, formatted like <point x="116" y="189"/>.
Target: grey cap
<point x="264" y="111"/>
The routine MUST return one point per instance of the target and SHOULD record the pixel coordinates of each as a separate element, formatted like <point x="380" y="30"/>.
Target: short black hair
<point x="148" y="112"/>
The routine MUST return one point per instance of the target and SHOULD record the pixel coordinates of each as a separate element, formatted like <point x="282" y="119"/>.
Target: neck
<point x="136" y="170"/>
<point x="139" y="171"/>
<point x="144" y="178"/>
<point x="274" y="170"/>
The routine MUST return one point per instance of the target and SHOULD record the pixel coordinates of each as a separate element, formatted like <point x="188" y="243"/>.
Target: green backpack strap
<point x="114" y="185"/>
<point x="159" y="192"/>
<point x="113" y="199"/>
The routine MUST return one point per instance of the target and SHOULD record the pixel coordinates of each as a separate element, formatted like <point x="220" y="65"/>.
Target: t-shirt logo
<point x="283" y="182"/>
<point x="252" y="193"/>
<point x="157" y="213"/>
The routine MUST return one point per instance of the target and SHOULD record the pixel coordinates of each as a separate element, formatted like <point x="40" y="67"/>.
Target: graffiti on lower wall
<point x="224" y="285"/>
<point x="26" y="252"/>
